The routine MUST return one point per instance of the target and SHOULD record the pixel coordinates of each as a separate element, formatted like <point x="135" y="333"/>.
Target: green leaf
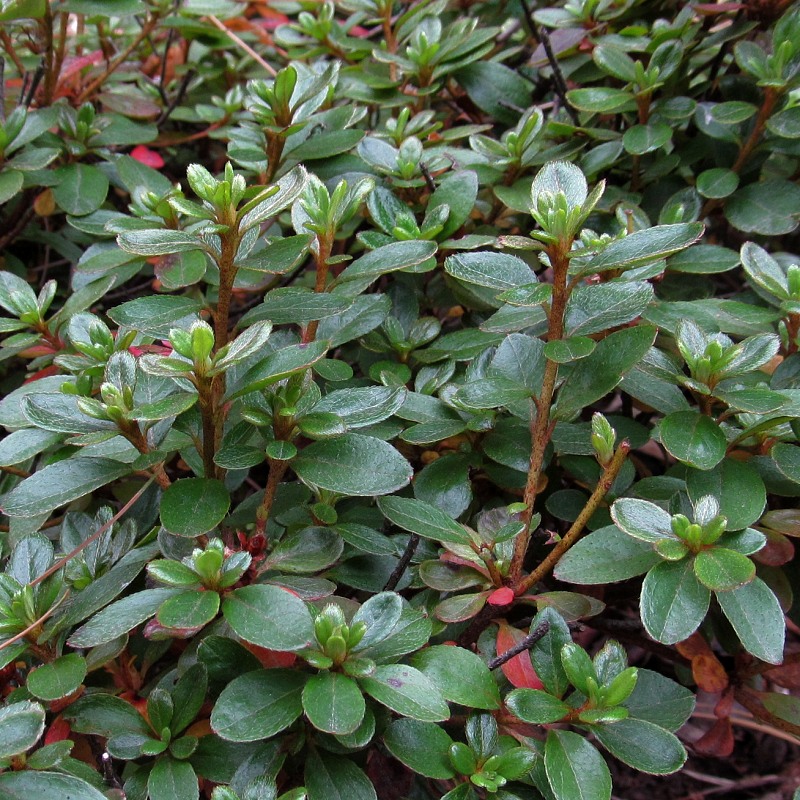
<point x="536" y="706"/>
<point x="458" y="192"/>
<point x="46" y="785"/>
<point x="736" y="485"/>
<point x="171" y="779"/>
<point x="21" y="725"/>
<point x="487" y="83"/>
<point x="491" y="393"/>
<point x="660" y="700"/>
<point x="492" y="270"/>
<point x="645" y="246"/>
<point x="292" y="304"/>
<point x="461" y="676"/>
<point x="158" y="241"/>
<point x="155" y="316"/>
<point x="445" y="483"/>
<point x="336" y="778"/>
<point x="615" y="61"/>
<point x="355" y="465"/>
<point x="193" y="506"/>
<point x="333" y="703"/>
<point x="290" y="187"/>
<point x="768" y="207"/>
<point x="642" y="519"/>
<point x="721" y="569"/>
<point x="717" y="183"/>
<point x="673" y="602"/>
<point x="575" y="770"/>
<point x="594" y="376"/>
<point x="190" y="610"/>
<point x="389" y="258"/>
<point x="57" y="679"/>
<point x="422" y="746"/>
<point x="106" y="715"/>
<point x="787" y="460"/>
<point x="757" y="618"/>
<point x="60" y="483"/>
<point x="11" y="181"/>
<point x="306" y="550"/>
<point x="693" y="438"/>
<point x="642" y="745"/>
<point x="595" y="308"/>
<point x="81" y="189"/>
<point x="380" y="614"/>
<point x="406" y="691"/>
<point x="279" y="365"/>
<point x="605" y="556"/>
<point x="270" y="617"/>
<point x="258" y="705"/>
<point x="120" y="617"/>
<point x="563" y="351"/>
<point x="785" y="123"/>
<point x="601" y="101"/>
<point x="560" y="177"/>
<point x="424" y="519"/>
<point x="641" y="139"/>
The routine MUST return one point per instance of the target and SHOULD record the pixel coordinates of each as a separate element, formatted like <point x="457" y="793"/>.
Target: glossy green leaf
<point x="673" y="602"/>
<point x="191" y="609"/>
<point x="757" y="618"/>
<point x="536" y="706"/>
<point x="646" y="246"/>
<point x="642" y="745"/>
<point x="258" y="705"/>
<point x="171" y="779"/>
<point x="406" y="691"/>
<point x="422" y="746"/>
<point x="721" y="569"/>
<point x="279" y="365"/>
<point x="424" y="519"/>
<point x="461" y="676"/>
<point x="33" y="783"/>
<point x="598" y="373"/>
<point x="21" y="725"/>
<point x="333" y="703"/>
<point x="575" y="770"/>
<point x="192" y="506"/>
<point x="605" y="556"/>
<point x="642" y="519"/>
<point x="693" y="438"/>
<point x="269" y="616"/>
<point x="81" y="188"/>
<point x="57" y="679"/>
<point x="353" y="464"/>
<point x="60" y="483"/>
<point x="492" y="270"/>
<point x="336" y="778"/>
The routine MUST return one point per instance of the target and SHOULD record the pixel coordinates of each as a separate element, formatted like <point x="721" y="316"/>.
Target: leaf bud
<point x="620" y="688"/>
<point x="714" y="529"/>
<point x="356" y="633"/>
<point x="181" y="341"/>
<point x="603" y="438"/>
<point x="336" y="647"/>
<point x="202" y="337"/>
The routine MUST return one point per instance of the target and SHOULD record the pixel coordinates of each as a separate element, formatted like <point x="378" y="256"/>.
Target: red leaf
<point x="501" y="597"/>
<point x="519" y="670"/>
<point x="58" y="731"/>
<point x="150" y="158"/>
<point x="271" y="659"/>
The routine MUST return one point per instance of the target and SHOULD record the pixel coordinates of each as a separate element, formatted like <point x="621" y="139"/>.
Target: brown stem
<point x="529" y="641"/>
<point x="147" y="28"/>
<point x="20" y="473"/>
<point x="50" y="77"/>
<point x="36" y="626"/>
<point x="8" y="46"/>
<point x="205" y="390"/>
<point x="325" y="247"/>
<point x="541" y="427"/>
<point x="95" y="536"/>
<point x="277" y="469"/>
<point x="241" y="44"/>
<point x="610" y="472"/>
<point x="771" y="96"/>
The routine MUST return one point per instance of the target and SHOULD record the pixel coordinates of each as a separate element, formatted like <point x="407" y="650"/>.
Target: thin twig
<point x="242" y="44"/>
<point x="405" y="560"/>
<point x="559" y="84"/>
<point x="120" y="59"/>
<point x="606" y="481"/>
<point x="96" y="535"/>
<point x="526" y="644"/>
<point x="36" y="623"/>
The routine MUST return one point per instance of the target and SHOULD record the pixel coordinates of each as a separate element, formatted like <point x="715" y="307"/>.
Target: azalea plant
<point x="398" y="402"/>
